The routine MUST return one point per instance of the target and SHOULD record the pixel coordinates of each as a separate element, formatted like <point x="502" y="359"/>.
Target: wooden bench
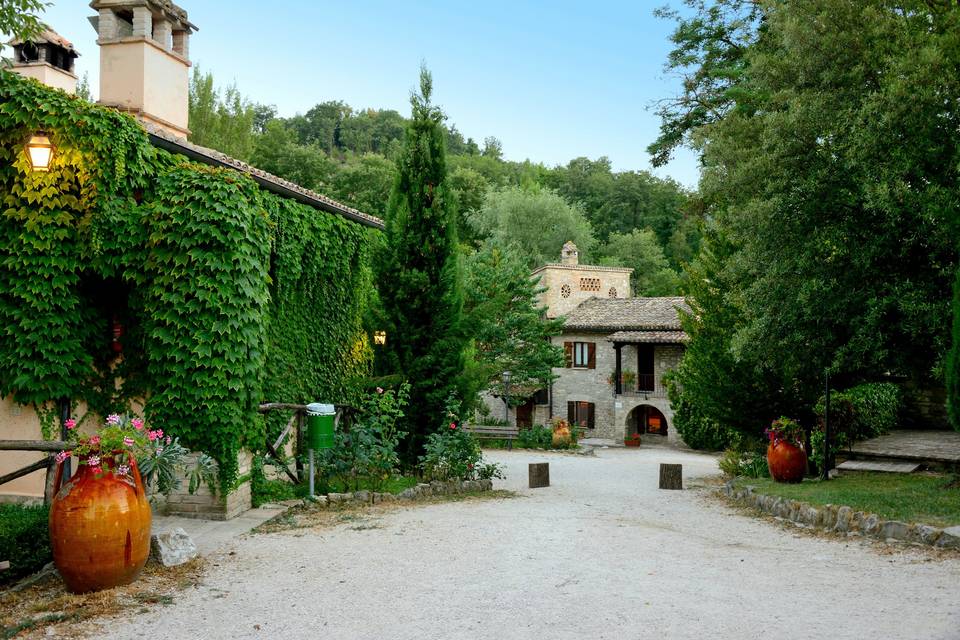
<point x="485" y="432"/>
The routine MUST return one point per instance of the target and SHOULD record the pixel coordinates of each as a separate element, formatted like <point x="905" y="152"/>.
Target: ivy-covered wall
<point x="228" y="295"/>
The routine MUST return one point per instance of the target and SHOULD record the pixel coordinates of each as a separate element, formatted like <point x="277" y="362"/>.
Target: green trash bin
<point x="320" y="426"/>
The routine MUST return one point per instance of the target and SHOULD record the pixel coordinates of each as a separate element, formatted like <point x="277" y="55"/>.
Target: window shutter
<point x="568" y="354"/>
<point x="590" y="415"/>
<point x="591" y="355"/>
<point x="571" y="412"/>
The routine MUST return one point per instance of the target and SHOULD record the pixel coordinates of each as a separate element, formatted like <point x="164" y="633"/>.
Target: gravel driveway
<point x="602" y="553"/>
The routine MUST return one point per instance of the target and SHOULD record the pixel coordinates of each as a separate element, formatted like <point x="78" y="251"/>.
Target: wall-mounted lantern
<point x="40" y="151"/>
<point x="380" y="337"/>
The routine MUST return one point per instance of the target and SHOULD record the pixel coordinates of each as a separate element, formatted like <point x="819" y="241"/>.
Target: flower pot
<point x="787" y="462"/>
<point x="632" y="442"/>
<point x="100" y="529"/>
<point x="561" y="437"/>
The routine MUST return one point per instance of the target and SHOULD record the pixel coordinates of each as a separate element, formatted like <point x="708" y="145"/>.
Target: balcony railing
<point x="647" y="386"/>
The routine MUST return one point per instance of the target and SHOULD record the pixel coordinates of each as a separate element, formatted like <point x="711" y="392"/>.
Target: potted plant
<point x="561" y="434"/>
<point x="631" y="439"/>
<point x="100" y="517"/>
<point x="786" y="459"/>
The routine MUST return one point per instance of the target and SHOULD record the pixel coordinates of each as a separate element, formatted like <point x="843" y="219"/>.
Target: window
<point x="565" y="291"/>
<point x="580" y="355"/>
<point x="613" y="292"/>
<point x="589" y="284"/>
<point x="581" y="413"/>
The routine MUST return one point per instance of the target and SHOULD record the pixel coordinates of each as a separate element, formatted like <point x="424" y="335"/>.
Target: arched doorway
<point x="645" y="419"/>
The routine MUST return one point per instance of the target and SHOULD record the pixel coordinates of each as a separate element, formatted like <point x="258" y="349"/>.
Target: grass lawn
<point x="925" y="498"/>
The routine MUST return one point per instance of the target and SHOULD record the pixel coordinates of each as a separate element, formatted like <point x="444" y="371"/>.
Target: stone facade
<point x="614" y="415"/>
<point x="570" y="283"/>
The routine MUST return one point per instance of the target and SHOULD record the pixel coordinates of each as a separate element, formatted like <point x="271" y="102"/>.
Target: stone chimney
<point x="48" y="58"/>
<point x="569" y="254"/>
<point x="145" y="60"/>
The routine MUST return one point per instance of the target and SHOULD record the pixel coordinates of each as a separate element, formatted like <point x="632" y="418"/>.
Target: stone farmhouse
<point x="618" y="349"/>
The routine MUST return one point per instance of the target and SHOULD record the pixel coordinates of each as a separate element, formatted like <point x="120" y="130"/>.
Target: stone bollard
<point x="539" y="474"/>
<point x="671" y="476"/>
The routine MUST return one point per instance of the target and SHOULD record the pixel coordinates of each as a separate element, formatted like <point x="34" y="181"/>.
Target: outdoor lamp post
<point x="380" y="337"/>
<point x="506" y="393"/>
<point x="40" y="151"/>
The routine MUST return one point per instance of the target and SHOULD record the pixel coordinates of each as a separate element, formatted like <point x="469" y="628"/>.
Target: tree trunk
<point x="539" y="474"/>
<point x="671" y="476"/>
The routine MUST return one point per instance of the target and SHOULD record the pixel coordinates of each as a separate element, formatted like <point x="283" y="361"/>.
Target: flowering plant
<point x="785" y="429"/>
<point x="110" y="450"/>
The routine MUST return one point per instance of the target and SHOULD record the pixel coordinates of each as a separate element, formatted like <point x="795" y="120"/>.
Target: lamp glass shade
<point x="40" y="151"/>
<point x="380" y="337"/>
<point x="506" y="377"/>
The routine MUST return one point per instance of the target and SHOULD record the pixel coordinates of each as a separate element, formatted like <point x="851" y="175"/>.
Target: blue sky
<point x="551" y="80"/>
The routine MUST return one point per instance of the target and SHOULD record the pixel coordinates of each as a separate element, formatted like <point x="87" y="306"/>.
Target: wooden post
<point x="671" y="476"/>
<point x="539" y="474"/>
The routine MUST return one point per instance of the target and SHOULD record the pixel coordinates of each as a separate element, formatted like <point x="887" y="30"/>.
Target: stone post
<point x="142" y="22"/>
<point x="539" y="473"/>
<point x="181" y="43"/>
<point x="162" y="32"/>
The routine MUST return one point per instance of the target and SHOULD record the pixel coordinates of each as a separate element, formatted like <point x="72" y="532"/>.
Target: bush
<point x="24" y="540"/>
<point x="859" y="413"/>
<point x="698" y="431"/>
<point x="265" y="490"/>
<point x="536" y="437"/>
<point x="452" y="453"/>
<point x="750" y="463"/>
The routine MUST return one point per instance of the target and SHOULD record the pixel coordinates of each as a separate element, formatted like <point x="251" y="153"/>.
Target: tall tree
<point x="220" y="121"/>
<point x="639" y="249"/>
<point x="419" y="276"/>
<point x="537" y="221"/>
<point x="506" y="321"/>
<point x="953" y="360"/>
<point x="20" y="19"/>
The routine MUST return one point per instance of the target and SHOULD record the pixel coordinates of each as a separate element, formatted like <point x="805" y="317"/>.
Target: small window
<point x="590" y="284"/>
<point x="613" y="292"/>
<point x="581" y="355"/>
<point x="581" y="413"/>
<point x="565" y="291"/>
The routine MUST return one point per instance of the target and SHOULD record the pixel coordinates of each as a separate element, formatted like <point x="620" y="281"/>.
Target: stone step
<point x="879" y="465"/>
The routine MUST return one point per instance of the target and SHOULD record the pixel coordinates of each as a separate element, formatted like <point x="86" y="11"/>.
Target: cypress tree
<point x="419" y="277"/>
<point x="953" y="360"/>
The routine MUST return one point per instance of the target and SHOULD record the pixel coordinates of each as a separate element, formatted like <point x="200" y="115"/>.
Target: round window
<point x="613" y="292"/>
<point x="565" y="291"/>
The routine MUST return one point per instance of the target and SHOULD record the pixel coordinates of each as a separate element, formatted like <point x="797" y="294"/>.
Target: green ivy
<point x="228" y="294"/>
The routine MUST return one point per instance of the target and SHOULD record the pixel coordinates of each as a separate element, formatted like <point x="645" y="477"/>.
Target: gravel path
<point x="600" y="554"/>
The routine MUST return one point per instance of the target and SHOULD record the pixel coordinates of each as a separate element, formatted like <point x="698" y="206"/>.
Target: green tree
<point x="506" y="321"/>
<point x="222" y="122"/>
<point x="419" y="276"/>
<point x="468" y="188"/>
<point x="953" y="360"/>
<point x="20" y="19"/>
<point x="277" y="152"/>
<point x="639" y="249"/>
<point x="364" y="182"/>
<point x="537" y="221"/>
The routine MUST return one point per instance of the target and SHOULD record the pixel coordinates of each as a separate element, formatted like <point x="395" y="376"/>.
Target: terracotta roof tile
<point x="649" y="337"/>
<point x="626" y="314"/>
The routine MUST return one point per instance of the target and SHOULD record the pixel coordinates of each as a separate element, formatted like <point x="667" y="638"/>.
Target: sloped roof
<point x="626" y="314"/>
<point x="50" y="36"/>
<point x="649" y="337"/>
<point x="168" y="141"/>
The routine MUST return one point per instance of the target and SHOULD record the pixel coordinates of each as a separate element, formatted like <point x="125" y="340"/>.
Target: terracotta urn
<point x="100" y="529"/>
<point x="632" y="440"/>
<point x="561" y="436"/>
<point x="787" y="462"/>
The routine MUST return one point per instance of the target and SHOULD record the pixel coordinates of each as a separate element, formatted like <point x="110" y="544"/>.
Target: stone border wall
<point x="843" y="520"/>
<point x="422" y="490"/>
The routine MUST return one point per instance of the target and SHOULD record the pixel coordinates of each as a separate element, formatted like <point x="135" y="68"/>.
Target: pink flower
<point x="169" y="439"/>
<point x="152" y="435"/>
<point x="63" y="455"/>
<point x="94" y="461"/>
<point x="113" y="419"/>
<point x="453" y="425"/>
<point x="159" y="433"/>
<point x="137" y="423"/>
<point x="128" y="441"/>
<point x="379" y="389"/>
<point x="97" y="470"/>
<point x="122" y="470"/>
<point x="70" y="424"/>
<point x="94" y="440"/>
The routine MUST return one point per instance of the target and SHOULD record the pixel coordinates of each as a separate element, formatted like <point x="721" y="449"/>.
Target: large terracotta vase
<point x="787" y="462"/>
<point x="100" y="529"/>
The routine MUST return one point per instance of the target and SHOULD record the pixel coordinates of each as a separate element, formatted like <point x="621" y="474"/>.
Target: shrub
<point x="698" y="431"/>
<point x="861" y="412"/>
<point x="24" y="540"/>
<point x="265" y="490"/>
<point x="536" y="437"/>
<point x="452" y="453"/>
<point x="750" y="462"/>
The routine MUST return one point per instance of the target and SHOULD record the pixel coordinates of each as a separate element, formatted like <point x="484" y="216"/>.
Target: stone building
<point x="618" y="349"/>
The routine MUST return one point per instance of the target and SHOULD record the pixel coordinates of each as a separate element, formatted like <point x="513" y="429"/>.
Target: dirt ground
<point x="601" y="553"/>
